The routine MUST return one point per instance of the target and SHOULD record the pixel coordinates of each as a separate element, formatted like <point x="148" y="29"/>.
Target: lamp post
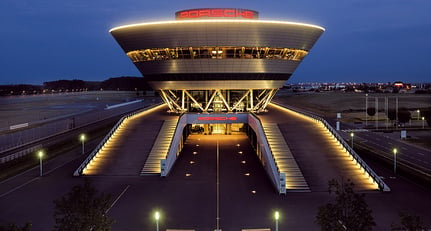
<point x="419" y="113"/>
<point x="352" y="135"/>
<point x="423" y="122"/>
<point x="276" y="216"/>
<point x="395" y="160"/>
<point x="82" y="138"/>
<point x="40" y="154"/>
<point x="366" y="110"/>
<point x="157" y="217"/>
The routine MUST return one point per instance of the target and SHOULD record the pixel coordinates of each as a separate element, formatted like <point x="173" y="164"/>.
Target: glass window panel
<point x="227" y="52"/>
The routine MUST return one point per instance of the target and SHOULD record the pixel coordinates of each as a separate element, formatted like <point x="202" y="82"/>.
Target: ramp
<point x="286" y="163"/>
<point x="318" y="154"/>
<point x="160" y="148"/>
<point x="124" y="152"/>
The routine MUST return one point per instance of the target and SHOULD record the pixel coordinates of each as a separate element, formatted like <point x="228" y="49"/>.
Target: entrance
<point x="219" y="129"/>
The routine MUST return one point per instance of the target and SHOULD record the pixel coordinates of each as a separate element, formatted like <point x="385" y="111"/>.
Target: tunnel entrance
<point x="218" y="129"/>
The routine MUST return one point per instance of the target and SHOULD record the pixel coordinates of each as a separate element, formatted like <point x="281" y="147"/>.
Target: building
<point x="217" y="59"/>
<point x="217" y="62"/>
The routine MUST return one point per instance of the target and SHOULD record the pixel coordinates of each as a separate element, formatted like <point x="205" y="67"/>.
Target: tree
<point x="371" y="111"/>
<point x="349" y="212"/>
<point x="83" y="208"/>
<point x="427" y="115"/>
<point x="404" y="115"/>
<point x="14" y="227"/>
<point x="392" y="114"/>
<point x="409" y="222"/>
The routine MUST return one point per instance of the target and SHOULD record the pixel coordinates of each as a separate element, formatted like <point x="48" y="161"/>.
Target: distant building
<point x="398" y="84"/>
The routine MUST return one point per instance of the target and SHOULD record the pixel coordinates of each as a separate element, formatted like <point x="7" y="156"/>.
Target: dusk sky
<point x="364" y="41"/>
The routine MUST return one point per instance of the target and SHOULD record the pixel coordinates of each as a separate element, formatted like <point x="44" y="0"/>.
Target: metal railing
<point x="382" y="185"/>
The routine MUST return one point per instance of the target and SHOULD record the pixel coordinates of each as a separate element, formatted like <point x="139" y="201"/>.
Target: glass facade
<point x="157" y="54"/>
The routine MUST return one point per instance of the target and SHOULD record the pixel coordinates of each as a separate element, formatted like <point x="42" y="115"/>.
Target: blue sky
<point x="364" y="41"/>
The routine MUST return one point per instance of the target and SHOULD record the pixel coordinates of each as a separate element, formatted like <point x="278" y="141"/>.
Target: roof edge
<point x="213" y="21"/>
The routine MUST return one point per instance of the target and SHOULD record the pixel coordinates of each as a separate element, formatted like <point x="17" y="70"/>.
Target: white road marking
<point x="118" y="198"/>
<point x="28" y="182"/>
<point x="19" y="186"/>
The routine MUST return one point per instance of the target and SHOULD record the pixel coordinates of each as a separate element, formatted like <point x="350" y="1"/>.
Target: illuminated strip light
<point x="216" y="20"/>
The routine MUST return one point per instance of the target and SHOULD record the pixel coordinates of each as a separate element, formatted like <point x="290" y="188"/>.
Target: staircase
<point x="295" y="181"/>
<point x="160" y="148"/>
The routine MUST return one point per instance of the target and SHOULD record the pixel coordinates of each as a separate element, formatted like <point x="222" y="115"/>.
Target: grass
<point x="352" y="109"/>
<point x="22" y="109"/>
<point x="350" y="104"/>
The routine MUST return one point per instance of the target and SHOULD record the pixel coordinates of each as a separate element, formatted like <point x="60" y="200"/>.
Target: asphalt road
<point x="412" y="155"/>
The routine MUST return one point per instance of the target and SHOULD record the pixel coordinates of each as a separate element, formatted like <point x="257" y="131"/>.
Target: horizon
<point x="286" y="83"/>
<point x="363" y="41"/>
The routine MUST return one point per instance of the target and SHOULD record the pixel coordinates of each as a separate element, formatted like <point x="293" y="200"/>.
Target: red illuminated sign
<point x="221" y="118"/>
<point x="216" y="13"/>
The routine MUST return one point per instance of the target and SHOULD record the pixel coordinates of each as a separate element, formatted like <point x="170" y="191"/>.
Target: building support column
<point x="206" y="130"/>
<point x="228" y="129"/>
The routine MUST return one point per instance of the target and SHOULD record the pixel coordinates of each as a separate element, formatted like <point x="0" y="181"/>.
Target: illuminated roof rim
<point x="220" y="20"/>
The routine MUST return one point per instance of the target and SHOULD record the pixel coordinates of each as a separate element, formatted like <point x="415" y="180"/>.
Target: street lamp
<point x="276" y="216"/>
<point x="40" y="154"/>
<point x="366" y="108"/>
<point x="157" y="217"/>
<point x="419" y="113"/>
<point x="395" y="160"/>
<point x="423" y="122"/>
<point x="82" y="138"/>
<point x="352" y="135"/>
